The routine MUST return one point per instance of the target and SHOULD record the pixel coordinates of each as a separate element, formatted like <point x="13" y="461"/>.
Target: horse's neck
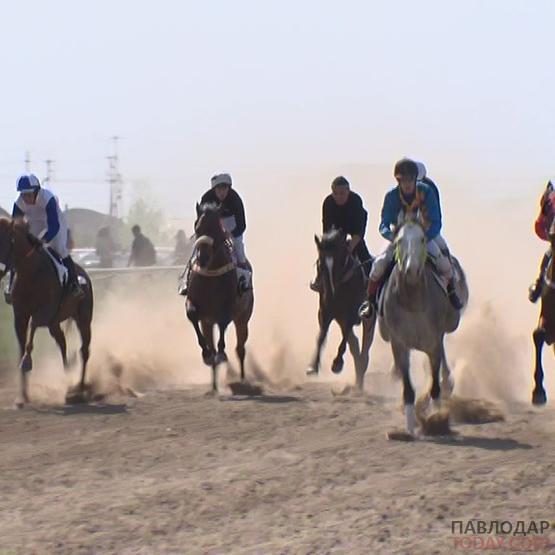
<point x="411" y="296"/>
<point x="26" y="256"/>
<point x="222" y="255"/>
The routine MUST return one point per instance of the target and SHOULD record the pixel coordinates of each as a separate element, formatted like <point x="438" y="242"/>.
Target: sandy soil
<point x="296" y="472"/>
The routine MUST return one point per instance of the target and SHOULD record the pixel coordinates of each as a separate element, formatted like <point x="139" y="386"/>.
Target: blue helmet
<point x="28" y="183"/>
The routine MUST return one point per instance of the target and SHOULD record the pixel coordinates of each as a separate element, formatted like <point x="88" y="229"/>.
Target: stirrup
<point x="367" y="309"/>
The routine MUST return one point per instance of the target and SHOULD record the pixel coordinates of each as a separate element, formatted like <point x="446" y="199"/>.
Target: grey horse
<point x="415" y="314"/>
<point x="342" y="290"/>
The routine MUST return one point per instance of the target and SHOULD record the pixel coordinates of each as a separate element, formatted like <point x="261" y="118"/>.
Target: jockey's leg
<point x="364" y="257"/>
<point x="379" y="269"/>
<point x="536" y="289"/>
<point x="443" y="264"/>
<point x="442" y="244"/>
<point x="9" y="286"/>
<point x="183" y="284"/>
<point x="73" y="283"/>
<point x="243" y="271"/>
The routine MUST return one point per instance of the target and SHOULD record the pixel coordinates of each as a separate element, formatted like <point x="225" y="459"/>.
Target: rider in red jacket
<point x="542" y="225"/>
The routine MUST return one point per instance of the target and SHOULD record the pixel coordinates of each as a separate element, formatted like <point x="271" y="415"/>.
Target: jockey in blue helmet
<point x="46" y="221"/>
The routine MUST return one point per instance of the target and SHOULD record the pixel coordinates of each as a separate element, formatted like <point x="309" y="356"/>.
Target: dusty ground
<point x="299" y="472"/>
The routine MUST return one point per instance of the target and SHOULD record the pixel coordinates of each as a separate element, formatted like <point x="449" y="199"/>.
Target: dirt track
<point x="305" y="472"/>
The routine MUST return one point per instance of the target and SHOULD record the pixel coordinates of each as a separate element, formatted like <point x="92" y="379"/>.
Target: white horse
<point x="416" y="314"/>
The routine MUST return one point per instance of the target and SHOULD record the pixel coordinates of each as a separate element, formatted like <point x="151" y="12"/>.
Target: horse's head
<point x="411" y="250"/>
<point x="333" y="255"/>
<point x="6" y="245"/>
<point x="209" y="232"/>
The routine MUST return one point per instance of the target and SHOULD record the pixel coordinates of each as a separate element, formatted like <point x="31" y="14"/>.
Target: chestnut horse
<point x="212" y="292"/>
<point x="545" y="332"/>
<point x="39" y="300"/>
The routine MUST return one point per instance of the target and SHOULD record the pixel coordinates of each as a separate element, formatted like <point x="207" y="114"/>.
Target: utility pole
<point x="115" y="182"/>
<point x="49" y="171"/>
<point x="27" y="161"/>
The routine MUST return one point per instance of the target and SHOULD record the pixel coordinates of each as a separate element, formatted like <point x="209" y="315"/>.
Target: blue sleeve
<point x="52" y="222"/>
<point x="17" y="212"/>
<point x="389" y="217"/>
<point x="434" y="216"/>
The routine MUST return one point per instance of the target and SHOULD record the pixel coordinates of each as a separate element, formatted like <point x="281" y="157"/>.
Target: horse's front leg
<point x="337" y="364"/>
<point x="539" y="396"/>
<point x="447" y="381"/>
<point x="325" y="321"/>
<point x="208" y="333"/>
<point x="221" y="356"/>
<point x="21" y="328"/>
<point x="435" y="359"/>
<point x="401" y="358"/>
<point x="368" y="329"/>
<point x="192" y="314"/>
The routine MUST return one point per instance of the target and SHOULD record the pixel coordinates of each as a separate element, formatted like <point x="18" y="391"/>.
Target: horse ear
<point x="317" y="241"/>
<point x="197" y="208"/>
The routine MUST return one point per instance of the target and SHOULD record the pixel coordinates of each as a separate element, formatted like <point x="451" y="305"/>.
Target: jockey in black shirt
<point x="343" y="210"/>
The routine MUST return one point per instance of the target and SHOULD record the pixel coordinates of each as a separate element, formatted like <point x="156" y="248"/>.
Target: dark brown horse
<point x="545" y="332"/>
<point x="213" y="297"/>
<point x="342" y="291"/>
<point x="39" y="300"/>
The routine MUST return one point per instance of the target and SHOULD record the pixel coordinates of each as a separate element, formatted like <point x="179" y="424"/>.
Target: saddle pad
<point x="61" y="270"/>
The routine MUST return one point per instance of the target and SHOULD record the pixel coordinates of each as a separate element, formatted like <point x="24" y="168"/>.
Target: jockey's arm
<point x="433" y="216"/>
<point x="52" y="221"/>
<point x="17" y="212"/>
<point x="388" y="217"/>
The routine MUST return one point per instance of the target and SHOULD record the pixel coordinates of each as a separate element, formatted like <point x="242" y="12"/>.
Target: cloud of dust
<point x="140" y="326"/>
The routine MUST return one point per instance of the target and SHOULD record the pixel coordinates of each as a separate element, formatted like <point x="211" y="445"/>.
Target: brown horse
<point x="342" y="291"/>
<point x="545" y="332"/>
<point x="213" y="297"/>
<point x="39" y="300"/>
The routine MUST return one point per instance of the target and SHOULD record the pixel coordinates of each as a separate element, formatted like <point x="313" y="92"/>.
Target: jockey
<point x="343" y="210"/>
<point x="41" y="210"/>
<point x="542" y="226"/>
<point x="410" y="196"/>
<point x="234" y="224"/>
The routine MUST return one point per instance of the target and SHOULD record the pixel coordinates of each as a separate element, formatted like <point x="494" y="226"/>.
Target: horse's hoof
<point x="209" y="359"/>
<point x="211" y="394"/>
<point x="311" y="371"/>
<point x="19" y="404"/>
<point x="447" y="386"/>
<point x="539" y="397"/>
<point x="337" y="366"/>
<point x="78" y="395"/>
<point x="26" y="364"/>
<point x="220" y="358"/>
<point x="400" y="435"/>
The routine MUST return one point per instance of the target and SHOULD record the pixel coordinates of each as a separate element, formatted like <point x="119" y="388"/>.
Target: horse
<point x="545" y="331"/>
<point x="39" y="300"/>
<point x="212" y="293"/>
<point x="342" y="291"/>
<point x="415" y="314"/>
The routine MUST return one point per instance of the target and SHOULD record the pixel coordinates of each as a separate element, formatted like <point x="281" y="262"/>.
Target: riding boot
<point x="182" y="288"/>
<point x="73" y="287"/>
<point x="452" y="294"/>
<point x="8" y="288"/>
<point x="535" y="290"/>
<point x="368" y="307"/>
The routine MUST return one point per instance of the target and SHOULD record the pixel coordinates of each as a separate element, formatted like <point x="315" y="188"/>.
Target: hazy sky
<point x="255" y="87"/>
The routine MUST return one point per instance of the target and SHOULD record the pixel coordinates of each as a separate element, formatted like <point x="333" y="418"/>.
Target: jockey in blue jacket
<point x="415" y="197"/>
<point x="46" y="221"/>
